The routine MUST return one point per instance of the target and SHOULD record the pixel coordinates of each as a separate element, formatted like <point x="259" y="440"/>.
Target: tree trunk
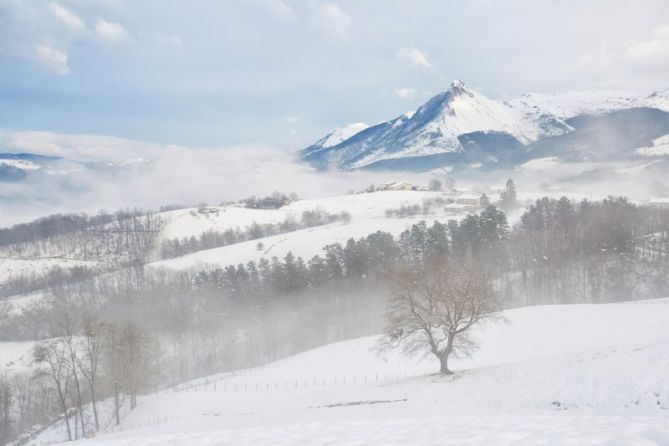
<point x="79" y="401"/>
<point x="95" y="406"/>
<point x="66" y="418"/>
<point x="445" y="354"/>
<point x="116" y="403"/>
<point x="443" y="361"/>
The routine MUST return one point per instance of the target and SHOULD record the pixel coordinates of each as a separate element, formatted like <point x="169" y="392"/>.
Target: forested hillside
<point x="130" y="329"/>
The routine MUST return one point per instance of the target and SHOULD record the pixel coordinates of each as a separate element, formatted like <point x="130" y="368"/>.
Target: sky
<point x="281" y="73"/>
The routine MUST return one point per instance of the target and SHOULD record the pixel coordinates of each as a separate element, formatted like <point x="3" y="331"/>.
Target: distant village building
<point x="398" y="186"/>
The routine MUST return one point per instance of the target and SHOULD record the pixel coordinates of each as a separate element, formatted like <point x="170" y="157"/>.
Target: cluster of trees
<point x="28" y="283"/>
<point x="215" y="239"/>
<point x="352" y="262"/>
<point x="409" y="210"/>
<point x="82" y="361"/>
<point x="589" y="251"/>
<point x="274" y="201"/>
<point x="56" y="225"/>
<point x="123" y="237"/>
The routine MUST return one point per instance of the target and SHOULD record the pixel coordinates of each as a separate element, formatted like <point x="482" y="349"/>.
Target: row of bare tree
<point x="84" y="361"/>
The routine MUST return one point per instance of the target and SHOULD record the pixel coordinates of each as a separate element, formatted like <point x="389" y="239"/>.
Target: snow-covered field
<point x="367" y="212"/>
<point x="191" y="222"/>
<point x="572" y="374"/>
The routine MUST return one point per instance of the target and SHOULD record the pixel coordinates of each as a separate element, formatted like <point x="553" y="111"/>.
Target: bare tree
<point x="5" y="409"/>
<point x="53" y="359"/>
<point x="137" y="353"/>
<point x="89" y="362"/>
<point x="63" y="325"/>
<point x="433" y="307"/>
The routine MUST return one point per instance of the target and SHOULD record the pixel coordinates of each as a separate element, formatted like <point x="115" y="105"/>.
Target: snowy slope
<point x="367" y="211"/>
<point x="573" y="374"/>
<point x="304" y="243"/>
<point x="338" y="135"/>
<point x="191" y="222"/>
<point x="573" y="103"/>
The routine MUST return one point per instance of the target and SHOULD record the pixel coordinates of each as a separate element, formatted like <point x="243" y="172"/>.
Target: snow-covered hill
<point x="367" y="210"/>
<point x="571" y="374"/>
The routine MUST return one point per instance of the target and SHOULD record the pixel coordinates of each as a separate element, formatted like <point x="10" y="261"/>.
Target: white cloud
<point x="52" y="59"/>
<point x="166" y="174"/>
<point x="79" y="147"/>
<point x="111" y="33"/>
<point x="632" y="57"/>
<point x="278" y="9"/>
<point x="405" y="93"/>
<point x="413" y="56"/>
<point x="68" y="18"/>
<point x="652" y="52"/>
<point x="331" y="21"/>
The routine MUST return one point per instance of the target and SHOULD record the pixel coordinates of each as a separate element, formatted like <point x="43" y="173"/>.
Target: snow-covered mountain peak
<point x="435" y="128"/>
<point x="457" y="84"/>
<point x="461" y="110"/>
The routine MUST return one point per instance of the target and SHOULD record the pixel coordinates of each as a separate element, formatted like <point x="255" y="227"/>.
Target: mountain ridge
<point x="462" y="127"/>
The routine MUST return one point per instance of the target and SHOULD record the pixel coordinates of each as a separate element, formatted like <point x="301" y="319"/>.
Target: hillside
<point x="367" y="210"/>
<point x="531" y="382"/>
